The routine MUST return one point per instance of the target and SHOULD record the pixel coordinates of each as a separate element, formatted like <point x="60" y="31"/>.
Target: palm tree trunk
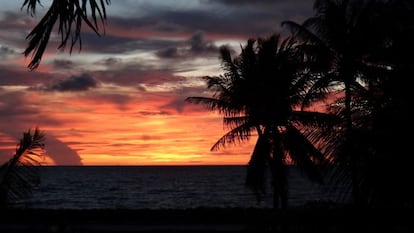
<point x="256" y="169"/>
<point x="278" y="169"/>
<point x="348" y="146"/>
<point x="280" y="196"/>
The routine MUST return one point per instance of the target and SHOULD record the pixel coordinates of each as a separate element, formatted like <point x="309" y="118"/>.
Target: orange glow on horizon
<point x="103" y="133"/>
<point x="157" y="144"/>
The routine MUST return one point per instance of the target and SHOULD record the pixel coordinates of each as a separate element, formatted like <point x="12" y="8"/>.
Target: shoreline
<point x="206" y="220"/>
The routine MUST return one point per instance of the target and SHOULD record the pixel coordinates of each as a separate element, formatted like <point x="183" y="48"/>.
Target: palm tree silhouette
<point x="18" y="176"/>
<point x="260" y="91"/>
<point x="389" y="172"/>
<point x="339" y="43"/>
<point x="69" y="15"/>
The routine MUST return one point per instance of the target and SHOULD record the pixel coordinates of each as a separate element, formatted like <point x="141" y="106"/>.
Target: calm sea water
<point x="180" y="187"/>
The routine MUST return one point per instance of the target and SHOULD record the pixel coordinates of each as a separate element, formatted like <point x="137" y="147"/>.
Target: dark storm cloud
<point x="10" y="75"/>
<point x="199" y="45"/>
<point x="6" y="51"/>
<point x="111" y="61"/>
<point x="204" y="21"/>
<point x="137" y="73"/>
<point x="238" y="17"/>
<point x="153" y="113"/>
<point x="74" y="83"/>
<point x="14" y="21"/>
<point x="195" y="45"/>
<point x="170" y="52"/>
<point x="258" y="2"/>
<point x="226" y="20"/>
<point x="231" y="18"/>
<point x="149" y="30"/>
<point x="13" y="104"/>
<point x="108" y="43"/>
<point x="63" y="64"/>
<point x="14" y="28"/>
<point x="116" y="42"/>
<point x="18" y="111"/>
<point x="178" y="102"/>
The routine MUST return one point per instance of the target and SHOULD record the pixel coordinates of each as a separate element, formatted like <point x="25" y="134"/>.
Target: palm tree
<point x="18" y="176"/>
<point x="69" y="14"/>
<point x="339" y="42"/>
<point x="365" y="47"/>
<point x="260" y="92"/>
<point x="390" y="170"/>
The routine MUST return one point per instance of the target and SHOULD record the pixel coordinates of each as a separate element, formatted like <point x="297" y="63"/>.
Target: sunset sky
<point x="120" y="100"/>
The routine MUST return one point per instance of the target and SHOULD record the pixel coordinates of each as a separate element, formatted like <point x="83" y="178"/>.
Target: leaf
<point x="18" y="176"/>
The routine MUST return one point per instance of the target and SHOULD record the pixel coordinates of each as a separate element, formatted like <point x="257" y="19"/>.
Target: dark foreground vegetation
<point x="357" y="55"/>
<point x="321" y="219"/>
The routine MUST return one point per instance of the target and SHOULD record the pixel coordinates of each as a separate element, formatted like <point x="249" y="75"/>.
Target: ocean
<point x="158" y="187"/>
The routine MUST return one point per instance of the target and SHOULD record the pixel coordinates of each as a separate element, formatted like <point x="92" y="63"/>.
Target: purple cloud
<point x="83" y="82"/>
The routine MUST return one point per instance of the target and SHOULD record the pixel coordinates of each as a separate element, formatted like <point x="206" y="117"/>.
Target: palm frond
<point x="214" y="104"/>
<point x="302" y="32"/>
<point x="31" y="6"/>
<point x="314" y="119"/>
<point x="211" y="103"/>
<point x="319" y="89"/>
<point x="303" y="153"/>
<point x="70" y="15"/>
<point x="235" y="121"/>
<point x="18" y="176"/>
<point x="318" y="54"/>
<point x="236" y="135"/>
<point x="228" y="64"/>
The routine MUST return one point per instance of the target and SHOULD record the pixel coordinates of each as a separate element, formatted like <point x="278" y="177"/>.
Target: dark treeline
<point x="355" y="59"/>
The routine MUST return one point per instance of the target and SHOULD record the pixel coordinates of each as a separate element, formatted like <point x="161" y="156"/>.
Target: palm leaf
<point x="69" y="15"/>
<point x="235" y="135"/>
<point x="235" y="121"/>
<point x="314" y="119"/>
<point x="320" y="88"/>
<point x="18" y="176"/>
<point x="31" y="6"/>
<point x="303" y="153"/>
